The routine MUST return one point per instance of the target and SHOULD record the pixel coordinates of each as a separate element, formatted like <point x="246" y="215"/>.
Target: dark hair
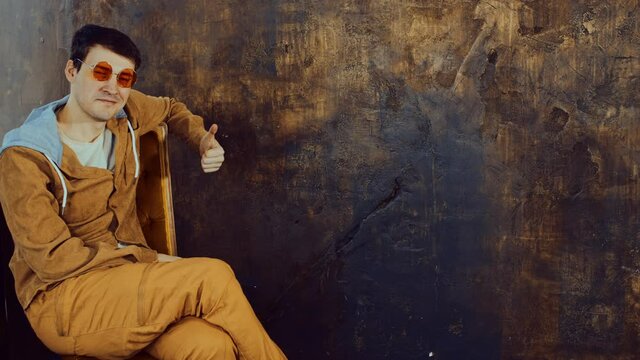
<point x="91" y="35"/>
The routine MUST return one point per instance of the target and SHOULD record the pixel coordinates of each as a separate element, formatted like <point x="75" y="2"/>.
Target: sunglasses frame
<point x="118" y="80"/>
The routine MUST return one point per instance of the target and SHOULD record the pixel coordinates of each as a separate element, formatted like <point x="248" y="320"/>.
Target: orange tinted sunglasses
<point x="102" y="71"/>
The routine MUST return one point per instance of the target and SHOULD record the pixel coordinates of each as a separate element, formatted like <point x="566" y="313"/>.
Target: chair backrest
<point x="153" y="197"/>
<point x="155" y="213"/>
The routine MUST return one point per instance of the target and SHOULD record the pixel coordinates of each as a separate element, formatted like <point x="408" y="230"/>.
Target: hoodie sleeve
<point x="149" y="111"/>
<point x="40" y="235"/>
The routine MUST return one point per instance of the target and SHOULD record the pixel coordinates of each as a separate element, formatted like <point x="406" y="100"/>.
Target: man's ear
<point x="70" y="71"/>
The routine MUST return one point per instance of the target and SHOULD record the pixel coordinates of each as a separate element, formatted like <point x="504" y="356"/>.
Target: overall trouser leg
<point x="113" y="313"/>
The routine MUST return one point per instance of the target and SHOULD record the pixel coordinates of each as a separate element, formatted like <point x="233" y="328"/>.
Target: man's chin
<point x="105" y="115"/>
<point x="107" y="108"/>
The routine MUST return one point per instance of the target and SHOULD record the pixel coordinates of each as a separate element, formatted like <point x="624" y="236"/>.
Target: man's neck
<point x="77" y="125"/>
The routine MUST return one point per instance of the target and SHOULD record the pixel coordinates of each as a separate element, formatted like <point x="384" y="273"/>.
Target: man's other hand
<point x="211" y="152"/>
<point x="167" y="258"/>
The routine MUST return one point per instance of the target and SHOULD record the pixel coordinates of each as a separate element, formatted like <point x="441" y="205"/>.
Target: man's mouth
<point x="110" y="101"/>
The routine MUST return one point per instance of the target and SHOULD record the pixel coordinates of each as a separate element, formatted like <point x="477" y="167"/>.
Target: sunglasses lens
<point x="102" y="71"/>
<point x="126" y="78"/>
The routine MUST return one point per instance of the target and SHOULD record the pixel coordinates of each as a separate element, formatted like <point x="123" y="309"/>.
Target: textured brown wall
<point x="402" y="177"/>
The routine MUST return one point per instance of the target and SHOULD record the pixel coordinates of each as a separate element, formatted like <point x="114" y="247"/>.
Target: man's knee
<point x="193" y="338"/>
<point x="205" y="345"/>
<point x="212" y="345"/>
<point x="212" y="267"/>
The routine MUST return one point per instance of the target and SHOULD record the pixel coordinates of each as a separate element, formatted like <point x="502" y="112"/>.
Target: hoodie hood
<point x="40" y="132"/>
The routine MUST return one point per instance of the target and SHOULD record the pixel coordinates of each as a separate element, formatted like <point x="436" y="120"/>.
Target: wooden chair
<point x="155" y="212"/>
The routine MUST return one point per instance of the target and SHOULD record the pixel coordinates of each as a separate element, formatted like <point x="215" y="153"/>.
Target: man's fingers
<point x="208" y="170"/>
<point x="211" y="166"/>
<point x="216" y="151"/>
<point x="212" y="163"/>
<point x="212" y="160"/>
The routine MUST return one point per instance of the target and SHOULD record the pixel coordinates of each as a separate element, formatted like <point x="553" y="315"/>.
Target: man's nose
<point x="111" y="85"/>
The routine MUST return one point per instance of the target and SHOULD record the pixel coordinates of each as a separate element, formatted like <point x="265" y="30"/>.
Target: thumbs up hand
<point x="211" y="152"/>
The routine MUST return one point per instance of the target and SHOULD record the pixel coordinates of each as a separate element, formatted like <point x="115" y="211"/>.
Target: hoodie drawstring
<point x="135" y="152"/>
<point x="64" y="185"/>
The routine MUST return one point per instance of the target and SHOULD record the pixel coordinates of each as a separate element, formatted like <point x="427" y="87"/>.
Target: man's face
<point x="99" y="100"/>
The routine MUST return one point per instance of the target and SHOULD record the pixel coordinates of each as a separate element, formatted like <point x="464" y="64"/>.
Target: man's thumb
<point x="211" y="141"/>
<point x="213" y="129"/>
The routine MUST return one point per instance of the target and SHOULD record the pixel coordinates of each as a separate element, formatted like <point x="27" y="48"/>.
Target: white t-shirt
<point x="98" y="153"/>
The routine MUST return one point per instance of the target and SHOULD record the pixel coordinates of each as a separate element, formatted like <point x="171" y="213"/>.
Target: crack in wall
<point x="345" y="245"/>
<point x="342" y="247"/>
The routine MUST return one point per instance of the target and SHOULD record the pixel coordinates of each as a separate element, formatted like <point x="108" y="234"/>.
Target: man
<point x="87" y="280"/>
